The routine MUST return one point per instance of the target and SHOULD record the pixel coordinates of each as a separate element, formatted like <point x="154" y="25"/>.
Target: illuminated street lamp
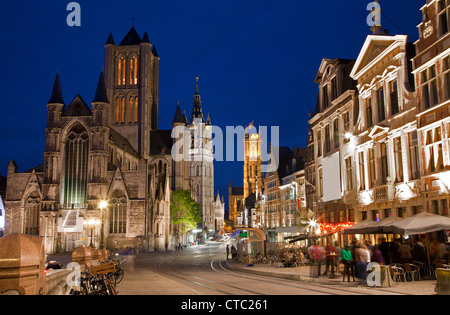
<point x="91" y="224"/>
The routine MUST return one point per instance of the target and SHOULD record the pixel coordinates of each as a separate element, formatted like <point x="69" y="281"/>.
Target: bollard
<point x="82" y="256"/>
<point x="22" y="265"/>
<point x="443" y="281"/>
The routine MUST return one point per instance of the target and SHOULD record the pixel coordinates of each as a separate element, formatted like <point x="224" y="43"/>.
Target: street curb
<point x="288" y="276"/>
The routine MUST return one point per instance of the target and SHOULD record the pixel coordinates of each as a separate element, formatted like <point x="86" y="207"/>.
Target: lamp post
<point x="91" y="224"/>
<point x="102" y="205"/>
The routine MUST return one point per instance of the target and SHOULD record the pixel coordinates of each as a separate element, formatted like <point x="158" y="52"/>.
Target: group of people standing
<point x="330" y="255"/>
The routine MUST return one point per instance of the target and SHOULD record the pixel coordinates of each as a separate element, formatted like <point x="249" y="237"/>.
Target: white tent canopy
<point x="361" y="227"/>
<point x="421" y="223"/>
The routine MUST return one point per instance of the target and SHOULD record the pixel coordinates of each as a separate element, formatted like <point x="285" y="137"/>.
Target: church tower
<point x="252" y="162"/>
<point x="201" y="161"/>
<point x="132" y="76"/>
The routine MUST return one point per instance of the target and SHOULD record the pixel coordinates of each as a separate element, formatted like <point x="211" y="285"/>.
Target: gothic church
<point x="108" y="172"/>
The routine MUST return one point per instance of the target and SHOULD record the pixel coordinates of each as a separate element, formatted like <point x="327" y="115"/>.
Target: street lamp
<point x="91" y="224"/>
<point x="102" y="205"/>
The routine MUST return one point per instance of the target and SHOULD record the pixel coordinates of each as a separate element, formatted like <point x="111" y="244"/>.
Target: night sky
<point x="256" y="60"/>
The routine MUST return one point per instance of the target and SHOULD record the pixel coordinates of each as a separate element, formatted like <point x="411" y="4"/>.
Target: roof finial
<point x="132" y="20"/>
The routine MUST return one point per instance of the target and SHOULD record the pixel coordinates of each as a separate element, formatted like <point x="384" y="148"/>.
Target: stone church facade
<point x="108" y="172"/>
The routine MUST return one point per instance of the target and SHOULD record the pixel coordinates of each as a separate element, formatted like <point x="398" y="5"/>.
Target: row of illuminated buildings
<point x="378" y="141"/>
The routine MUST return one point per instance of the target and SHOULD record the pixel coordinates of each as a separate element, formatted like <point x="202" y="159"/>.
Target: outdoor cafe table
<point x="333" y="261"/>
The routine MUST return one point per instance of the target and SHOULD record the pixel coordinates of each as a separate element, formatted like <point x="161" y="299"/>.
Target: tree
<point x="185" y="213"/>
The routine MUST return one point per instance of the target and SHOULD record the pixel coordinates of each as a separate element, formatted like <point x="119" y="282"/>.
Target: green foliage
<point x="185" y="213"/>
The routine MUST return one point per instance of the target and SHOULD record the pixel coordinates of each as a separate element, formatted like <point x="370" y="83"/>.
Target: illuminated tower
<point x="252" y="162"/>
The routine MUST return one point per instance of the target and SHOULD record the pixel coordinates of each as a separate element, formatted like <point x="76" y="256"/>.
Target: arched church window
<point x="117" y="110"/>
<point x="31" y="217"/>
<point x="118" y="216"/>
<point x="133" y="70"/>
<point x="121" y="71"/>
<point x="76" y="154"/>
<point x="136" y="107"/>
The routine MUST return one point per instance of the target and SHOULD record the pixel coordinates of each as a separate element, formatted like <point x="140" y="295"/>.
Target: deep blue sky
<point x="256" y="60"/>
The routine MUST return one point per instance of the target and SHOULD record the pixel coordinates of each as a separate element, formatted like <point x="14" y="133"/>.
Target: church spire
<point x="100" y="95"/>
<point x="197" y="105"/>
<point x="56" y="97"/>
<point x="178" y="119"/>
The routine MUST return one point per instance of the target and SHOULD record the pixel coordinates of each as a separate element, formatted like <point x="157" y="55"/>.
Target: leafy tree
<point x="185" y="213"/>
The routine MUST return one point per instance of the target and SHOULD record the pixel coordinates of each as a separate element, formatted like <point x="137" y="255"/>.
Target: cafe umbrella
<point x="421" y="223"/>
<point x="361" y="227"/>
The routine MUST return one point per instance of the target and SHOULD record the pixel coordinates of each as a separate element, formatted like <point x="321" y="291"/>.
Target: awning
<point x="421" y="223"/>
<point x="361" y="227"/>
<point x="371" y="227"/>
<point x="291" y="229"/>
<point x="308" y="236"/>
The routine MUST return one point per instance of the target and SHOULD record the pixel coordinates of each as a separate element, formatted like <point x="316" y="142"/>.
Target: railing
<point x="73" y="206"/>
<point x="381" y="193"/>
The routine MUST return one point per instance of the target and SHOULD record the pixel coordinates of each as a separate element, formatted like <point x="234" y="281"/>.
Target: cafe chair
<point x="397" y="273"/>
<point x="412" y="270"/>
<point x="349" y="271"/>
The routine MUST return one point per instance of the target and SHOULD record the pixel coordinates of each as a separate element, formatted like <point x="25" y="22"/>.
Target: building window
<point x="402" y="212"/>
<point x="394" y="97"/>
<point x="351" y="215"/>
<point x="325" y="96"/>
<point x="381" y="105"/>
<point x="372" y="170"/>
<point x="121" y="71"/>
<point x="31" y="217"/>
<point x="375" y="215"/>
<point x="327" y="139"/>
<point x="369" y="115"/>
<point x="442" y="17"/>
<point x="398" y="159"/>
<point x="435" y="204"/>
<point x="362" y="173"/>
<point x="336" y="133"/>
<point x="321" y="182"/>
<point x="446" y="73"/>
<point x="319" y="143"/>
<point x="387" y="213"/>
<point x="133" y="109"/>
<point x="433" y="150"/>
<point x="384" y="163"/>
<point x="346" y="121"/>
<point x="414" y="166"/>
<point x="349" y="173"/>
<point x="334" y="90"/>
<point x="133" y="70"/>
<point x="118" y="216"/>
<point x="429" y="87"/>
<point x="444" y="207"/>
<point x="117" y="110"/>
<point x="75" y="168"/>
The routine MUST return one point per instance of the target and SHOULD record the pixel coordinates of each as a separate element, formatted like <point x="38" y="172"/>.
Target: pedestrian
<point x="338" y="256"/>
<point x="362" y="257"/>
<point x="384" y="249"/>
<point x="228" y="251"/>
<point x="329" y="251"/>
<point x="233" y="253"/>
<point x="418" y="252"/>
<point x="404" y="253"/>
<point x="318" y="257"/>
<point x="377" y="255"/>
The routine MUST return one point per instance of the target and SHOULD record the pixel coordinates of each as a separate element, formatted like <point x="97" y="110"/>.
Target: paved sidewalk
<point x="302" y="273"/>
